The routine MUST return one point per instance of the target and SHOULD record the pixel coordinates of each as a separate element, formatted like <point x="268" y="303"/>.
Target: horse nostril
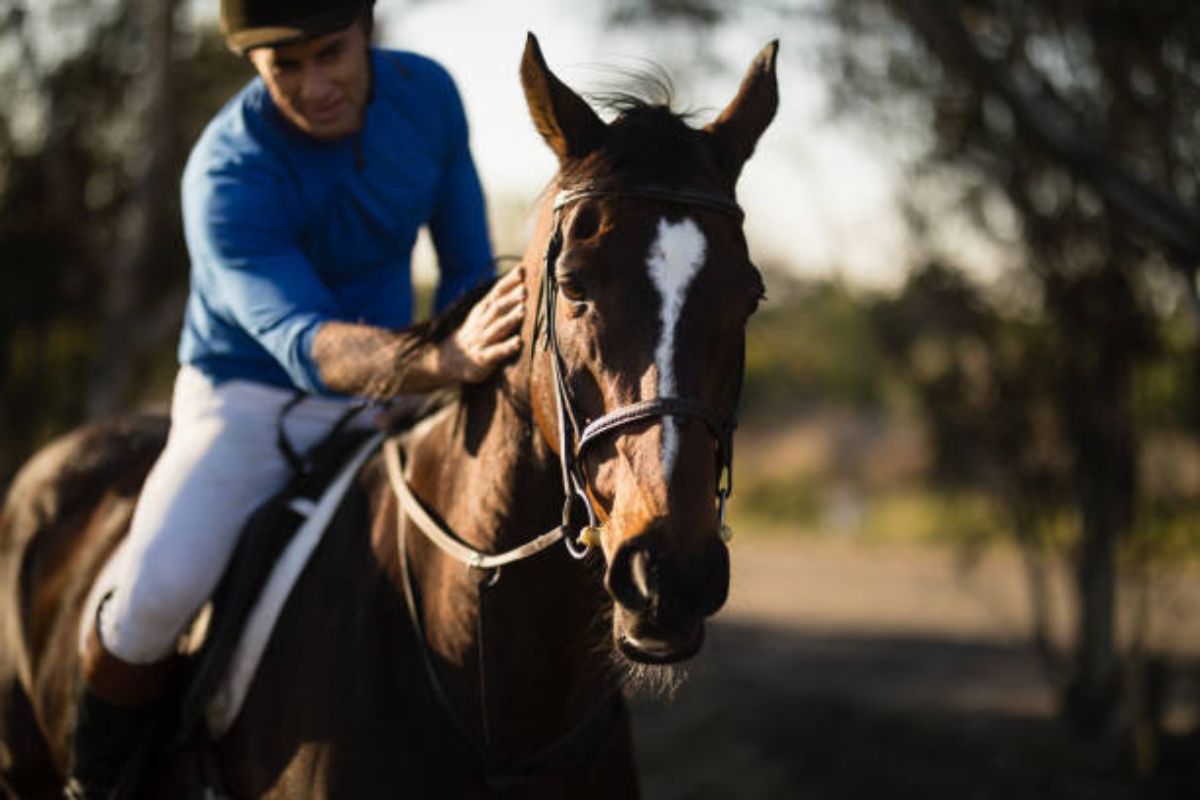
<point x="644" y="579"/>
<point x="630" y="579"/>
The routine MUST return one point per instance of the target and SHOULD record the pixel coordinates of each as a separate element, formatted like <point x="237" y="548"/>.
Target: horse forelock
<point x="633" y="88"/>
<point x="648" y="143"/>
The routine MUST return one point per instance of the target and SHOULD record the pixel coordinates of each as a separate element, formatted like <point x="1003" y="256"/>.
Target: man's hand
<point x="489" y="334"/>
<point x="373" y="362"/>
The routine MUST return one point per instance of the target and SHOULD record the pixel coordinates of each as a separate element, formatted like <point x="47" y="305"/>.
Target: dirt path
<point x="838" y="671"/>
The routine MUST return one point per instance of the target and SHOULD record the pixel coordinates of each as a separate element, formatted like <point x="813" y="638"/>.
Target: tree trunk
<point x="1097" y="409"/>
<point x="127" y="294"/>
<point x="1091" y="692"/>
<point x="1041" y="601"/>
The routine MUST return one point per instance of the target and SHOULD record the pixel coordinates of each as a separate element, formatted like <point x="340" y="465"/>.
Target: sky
<point x="819" y="194"/>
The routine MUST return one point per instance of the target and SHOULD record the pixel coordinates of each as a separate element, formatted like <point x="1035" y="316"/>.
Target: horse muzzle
<point x="662" y="597"/>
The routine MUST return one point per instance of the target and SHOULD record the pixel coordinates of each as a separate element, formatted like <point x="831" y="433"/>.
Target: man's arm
<point x="375" y="362"/>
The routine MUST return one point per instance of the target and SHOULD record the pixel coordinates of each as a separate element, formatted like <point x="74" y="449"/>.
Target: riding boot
<point x="117" y="704"/>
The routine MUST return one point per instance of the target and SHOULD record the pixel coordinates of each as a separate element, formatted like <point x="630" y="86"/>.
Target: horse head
<point x="638" y="341"/>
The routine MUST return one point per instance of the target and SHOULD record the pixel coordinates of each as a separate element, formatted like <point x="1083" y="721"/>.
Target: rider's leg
<point x="115" y="705"/>
<point x="220" y="462"/>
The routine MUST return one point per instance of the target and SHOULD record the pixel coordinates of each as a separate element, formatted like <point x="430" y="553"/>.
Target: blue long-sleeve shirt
<point x="286" y="232"/>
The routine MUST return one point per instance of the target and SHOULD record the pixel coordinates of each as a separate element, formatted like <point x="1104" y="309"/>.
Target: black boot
<point x="118" y="704"/>
<point x="106" y="737"/>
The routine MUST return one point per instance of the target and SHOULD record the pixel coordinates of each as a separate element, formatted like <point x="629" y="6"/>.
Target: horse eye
<point x="586" y="222"/>
<point x="572" y="288"/>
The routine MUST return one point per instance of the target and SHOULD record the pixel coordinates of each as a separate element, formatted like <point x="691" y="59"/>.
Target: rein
<point x="448" y="543"/>
<point x="578" y="747"/>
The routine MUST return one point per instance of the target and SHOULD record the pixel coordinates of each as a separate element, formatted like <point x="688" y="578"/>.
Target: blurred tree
<point x="1065" y="130"/>
<point x="812" y="343"/>
<point x="985" y="384"/>
<point x="104" y="99"/>
<point x="134" y="285"/>
<point x="1073" y="118"/>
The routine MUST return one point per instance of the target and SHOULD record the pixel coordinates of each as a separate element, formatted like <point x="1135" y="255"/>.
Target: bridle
<point x="574" y="437"/>
<point x="587" y="738"/>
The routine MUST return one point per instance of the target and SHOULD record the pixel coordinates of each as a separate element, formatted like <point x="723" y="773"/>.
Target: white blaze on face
<point x="675" y="257"/>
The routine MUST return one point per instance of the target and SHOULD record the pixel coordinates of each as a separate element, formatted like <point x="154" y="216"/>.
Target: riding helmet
<point x="260" y="23"/>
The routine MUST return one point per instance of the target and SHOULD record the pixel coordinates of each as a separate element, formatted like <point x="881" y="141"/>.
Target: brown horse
<point x="639" y="287"/>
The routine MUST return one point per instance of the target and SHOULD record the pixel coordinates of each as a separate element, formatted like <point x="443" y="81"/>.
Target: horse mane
<point x="429" y="332"/>
<point x="438" y="326"/>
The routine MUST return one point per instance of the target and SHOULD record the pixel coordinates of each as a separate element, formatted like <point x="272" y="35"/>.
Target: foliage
<point x="811" y="343"/>
<point x="986" y="388"/>
<point x="1065" y="133"/>
<point x="90" y="154"/>
<point x="1097" y="100"/>
<point x="983" y="379"/>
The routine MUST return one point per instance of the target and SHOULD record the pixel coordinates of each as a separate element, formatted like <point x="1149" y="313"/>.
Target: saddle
<point x="266" y="536"/>
<point x="272" y="550"/>
<point x="225" y="643"/>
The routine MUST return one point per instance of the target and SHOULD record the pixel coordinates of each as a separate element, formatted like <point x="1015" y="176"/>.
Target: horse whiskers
<point x="661" y="681"/>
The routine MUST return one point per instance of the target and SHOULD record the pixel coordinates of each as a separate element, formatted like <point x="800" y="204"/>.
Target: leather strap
<point x="646" y="409"/>
<point x="662" y="194"/>
<point x="578" y="747"/>
<point x="573" y="437"/>
<point x="409" y="504"/>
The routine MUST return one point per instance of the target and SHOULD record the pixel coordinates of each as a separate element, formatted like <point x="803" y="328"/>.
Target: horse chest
<point x="339" y="708"/>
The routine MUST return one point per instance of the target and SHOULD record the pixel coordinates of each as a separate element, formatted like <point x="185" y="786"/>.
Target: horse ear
<point x="563" y="118"/>
<point x="737" y="129"/>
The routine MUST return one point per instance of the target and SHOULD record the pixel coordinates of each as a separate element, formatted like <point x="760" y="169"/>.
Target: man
<point x="301" y="203"/>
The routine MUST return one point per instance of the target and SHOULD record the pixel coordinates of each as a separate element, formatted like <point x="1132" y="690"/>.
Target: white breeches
<point x="220" y="463"/>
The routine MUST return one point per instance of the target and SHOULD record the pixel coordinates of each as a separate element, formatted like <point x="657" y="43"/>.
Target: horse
<point x="438" y="643"/>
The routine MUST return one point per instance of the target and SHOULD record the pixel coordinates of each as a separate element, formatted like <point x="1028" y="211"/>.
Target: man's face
<point x="319" y="85"/>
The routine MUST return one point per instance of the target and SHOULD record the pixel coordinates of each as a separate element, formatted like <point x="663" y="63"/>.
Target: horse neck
<point x="525" y="648"/>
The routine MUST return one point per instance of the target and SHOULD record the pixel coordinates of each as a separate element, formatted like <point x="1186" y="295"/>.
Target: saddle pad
<point x="231" y="691"/>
